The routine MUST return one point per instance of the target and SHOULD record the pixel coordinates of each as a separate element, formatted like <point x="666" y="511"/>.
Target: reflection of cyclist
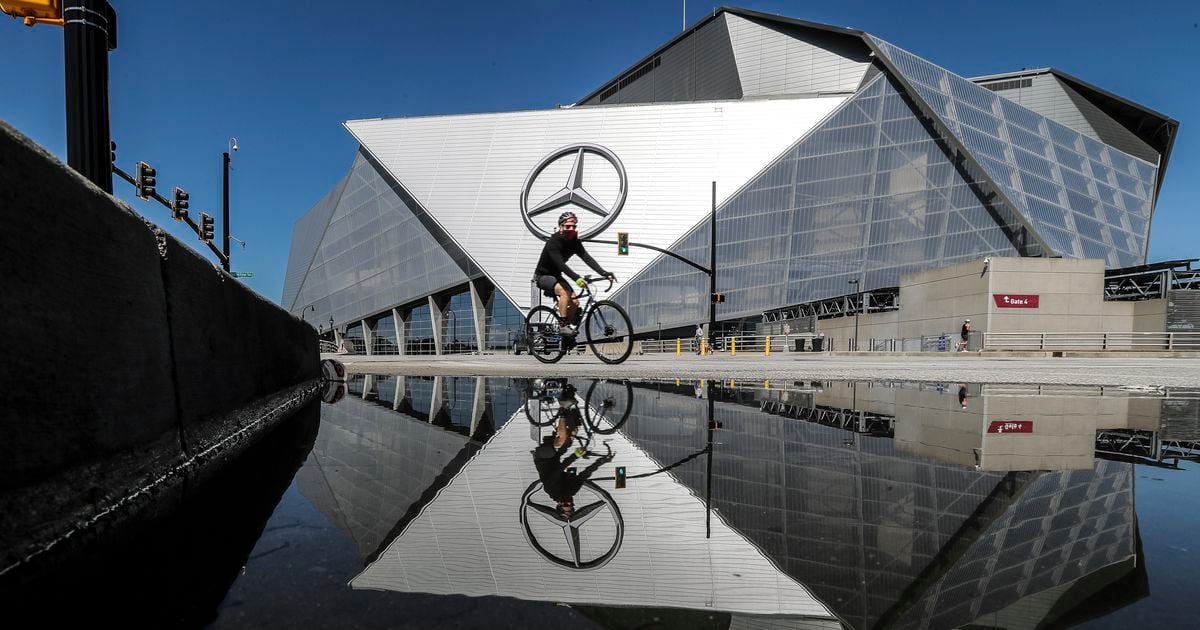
<point x="553" y="264"/>
<point x="552" y="467"/>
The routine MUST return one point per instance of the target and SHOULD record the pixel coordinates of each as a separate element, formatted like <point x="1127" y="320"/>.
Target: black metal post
<point x="709" y="470"/>
<point x="857" y="308"/>
<point x="225" y="209"/>
<point x="712" y="271"/>
<point x="87" y="35"/>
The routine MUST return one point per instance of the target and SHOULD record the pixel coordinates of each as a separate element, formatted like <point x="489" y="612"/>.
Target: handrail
<point x="1092" y="341"/>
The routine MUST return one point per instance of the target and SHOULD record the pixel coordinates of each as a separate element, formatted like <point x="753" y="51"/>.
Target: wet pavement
<point x="439" y="501"/>
<point x="473" y="502"/>
<point x="1114" y="369"/>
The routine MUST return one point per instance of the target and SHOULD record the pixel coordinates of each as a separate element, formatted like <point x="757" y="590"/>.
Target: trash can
<point x="818" y="344"/>
<point x="800" y="345"/>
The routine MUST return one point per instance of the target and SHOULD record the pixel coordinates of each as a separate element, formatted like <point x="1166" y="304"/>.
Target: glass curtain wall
<point x="384" y="340"/>
<point x="458" y="325"/>
<point x="353" y="339"/>
<point x="375" y="252"/>
<point x="503" y="321"/>
<point x="419" y="332"/>
<point x="868" y="195"/>
<point x="1084" y="198"/>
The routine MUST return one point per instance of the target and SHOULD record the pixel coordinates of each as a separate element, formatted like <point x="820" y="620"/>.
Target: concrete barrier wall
<point x="117" y="338"/>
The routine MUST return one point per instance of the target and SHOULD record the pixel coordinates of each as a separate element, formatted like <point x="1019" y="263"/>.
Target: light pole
<point x="233" y="147"/>
<point x="659" y="334"/>
<point x="306" y="309"/>
<point x="856" y="311"/>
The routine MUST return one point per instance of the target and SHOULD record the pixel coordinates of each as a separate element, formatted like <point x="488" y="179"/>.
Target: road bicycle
<point x="606" y="406"/>
<point x="604" y="324"/>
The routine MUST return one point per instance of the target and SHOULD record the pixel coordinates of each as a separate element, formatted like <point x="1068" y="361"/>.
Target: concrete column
<point x="479" y="404"/>
<point x="435" y="317"/>
<point x="399" y="396"/>
<point x="399" y="325"/>
<point x="368" y="337"/>
<point x="435" y="401"/>
<point x="368" y="385"/>
<point x="479" y="313"/>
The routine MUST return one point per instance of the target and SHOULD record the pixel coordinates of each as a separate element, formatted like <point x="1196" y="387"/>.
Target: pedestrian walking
<point x="964" y="335"/>
<point x="699" y="339"/>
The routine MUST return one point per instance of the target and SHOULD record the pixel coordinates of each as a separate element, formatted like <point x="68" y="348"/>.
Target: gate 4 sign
<point x="1011" y="426"/>
<point x="1012" y="300"/>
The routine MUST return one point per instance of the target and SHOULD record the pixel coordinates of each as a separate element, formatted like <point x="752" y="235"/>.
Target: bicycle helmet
<point x="567" y="215"/>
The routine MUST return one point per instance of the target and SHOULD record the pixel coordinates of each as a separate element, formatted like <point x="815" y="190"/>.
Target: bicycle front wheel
<point x="607" y="405"/>
<point x="541" y="329"/>
<point x="609" y="332"/>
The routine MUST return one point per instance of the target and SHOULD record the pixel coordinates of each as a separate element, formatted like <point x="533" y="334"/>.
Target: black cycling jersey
<point x="558" y="250"/>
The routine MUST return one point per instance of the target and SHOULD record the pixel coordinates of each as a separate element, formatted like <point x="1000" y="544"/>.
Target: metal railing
<point x="1092" y="341"/>
<point x="734" y="344"/>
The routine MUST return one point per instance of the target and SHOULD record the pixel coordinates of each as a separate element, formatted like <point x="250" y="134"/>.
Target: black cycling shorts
<point x="546" y="284"/>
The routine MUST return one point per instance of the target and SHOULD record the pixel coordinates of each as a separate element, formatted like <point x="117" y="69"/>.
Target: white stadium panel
<point x="469" y="171"/>
<point x="470" y="541"/>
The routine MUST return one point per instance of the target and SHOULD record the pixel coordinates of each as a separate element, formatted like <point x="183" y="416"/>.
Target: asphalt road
<point x="957" y="368"/>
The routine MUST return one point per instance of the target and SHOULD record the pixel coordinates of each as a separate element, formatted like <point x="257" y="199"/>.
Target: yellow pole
<point x="767" y="348"/>
<point x="732" y="383"/>
<point x="766" y="384"/>
<point x="678" y="344"/>
<point x="733" y="346"/>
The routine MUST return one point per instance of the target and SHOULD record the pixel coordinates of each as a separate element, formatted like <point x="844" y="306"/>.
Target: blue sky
<point x="189" y="75"/>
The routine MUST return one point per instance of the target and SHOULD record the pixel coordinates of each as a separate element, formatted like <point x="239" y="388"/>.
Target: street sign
<point x="242" y="274"/>
<point x="1010" y="426"/>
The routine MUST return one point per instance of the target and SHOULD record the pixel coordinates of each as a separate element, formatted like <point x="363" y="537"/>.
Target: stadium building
<point x="837" y="157"/>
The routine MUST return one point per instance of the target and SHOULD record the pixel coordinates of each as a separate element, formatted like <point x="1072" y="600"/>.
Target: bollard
<point x="733" y="346"/>
<point x="766" y="384"/>
<point x="678" y="345"/>
<point x="767" y="348"/>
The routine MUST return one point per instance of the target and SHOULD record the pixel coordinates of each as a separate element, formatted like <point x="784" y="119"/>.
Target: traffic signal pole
<point x="90" y="28"/>
<point x="225" y="211"/>
<point x="712" y="274"/>
<point x="623" y="244"/>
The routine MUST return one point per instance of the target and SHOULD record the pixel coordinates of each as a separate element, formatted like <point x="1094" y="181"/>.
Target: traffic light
<point x="206" y="227"/>
<point x="620" y="477"/>
<point x="146" y="180"/>
<point x="622" y="243"/>
<point x="179" y="206"/>
<point x="112" y="152"/>
<point x="718" y="298"/>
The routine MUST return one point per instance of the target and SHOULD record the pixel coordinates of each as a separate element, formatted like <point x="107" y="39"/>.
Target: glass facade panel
<point x="870" y="201"/>
<point x="384" y="339"/>
<point x="375" y="254"/>
<point x="458" y="325"/>
<point x="1005" y="137"/>
<point x="419" y="332"/>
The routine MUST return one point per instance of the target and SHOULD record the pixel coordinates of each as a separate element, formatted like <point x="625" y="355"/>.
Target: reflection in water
<point x="884" y="505"/>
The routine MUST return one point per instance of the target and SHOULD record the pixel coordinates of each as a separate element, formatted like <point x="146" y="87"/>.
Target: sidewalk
<point x="967" y="367"/>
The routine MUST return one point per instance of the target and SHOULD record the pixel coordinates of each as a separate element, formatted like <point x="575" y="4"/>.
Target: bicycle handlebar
<point x="591" y="279"/>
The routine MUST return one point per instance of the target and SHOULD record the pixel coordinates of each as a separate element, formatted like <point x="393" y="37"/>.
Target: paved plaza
<point x="1129" y="371"/>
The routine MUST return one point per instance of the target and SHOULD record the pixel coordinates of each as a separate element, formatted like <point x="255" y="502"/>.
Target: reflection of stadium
<point x="854" y="506"/>
<point x="838" y="157"/>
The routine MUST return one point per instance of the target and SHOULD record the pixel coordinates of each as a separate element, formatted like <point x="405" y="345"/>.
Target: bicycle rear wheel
<point x="541" y="329"/>
<point x="609" y="332"/>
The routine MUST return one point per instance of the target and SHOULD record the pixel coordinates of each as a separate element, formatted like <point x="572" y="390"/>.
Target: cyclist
<point x="552" y="265"/>
<point x="548" y="458"/>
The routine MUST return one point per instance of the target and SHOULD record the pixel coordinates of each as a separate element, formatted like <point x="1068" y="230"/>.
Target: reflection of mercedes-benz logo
<point x="573" y="193"/>
<point x="571" y="526"/>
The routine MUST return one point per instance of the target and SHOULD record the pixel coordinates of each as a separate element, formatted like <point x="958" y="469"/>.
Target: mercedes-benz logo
<point x="573" y="193"/>
<point x="571" y="525"/>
